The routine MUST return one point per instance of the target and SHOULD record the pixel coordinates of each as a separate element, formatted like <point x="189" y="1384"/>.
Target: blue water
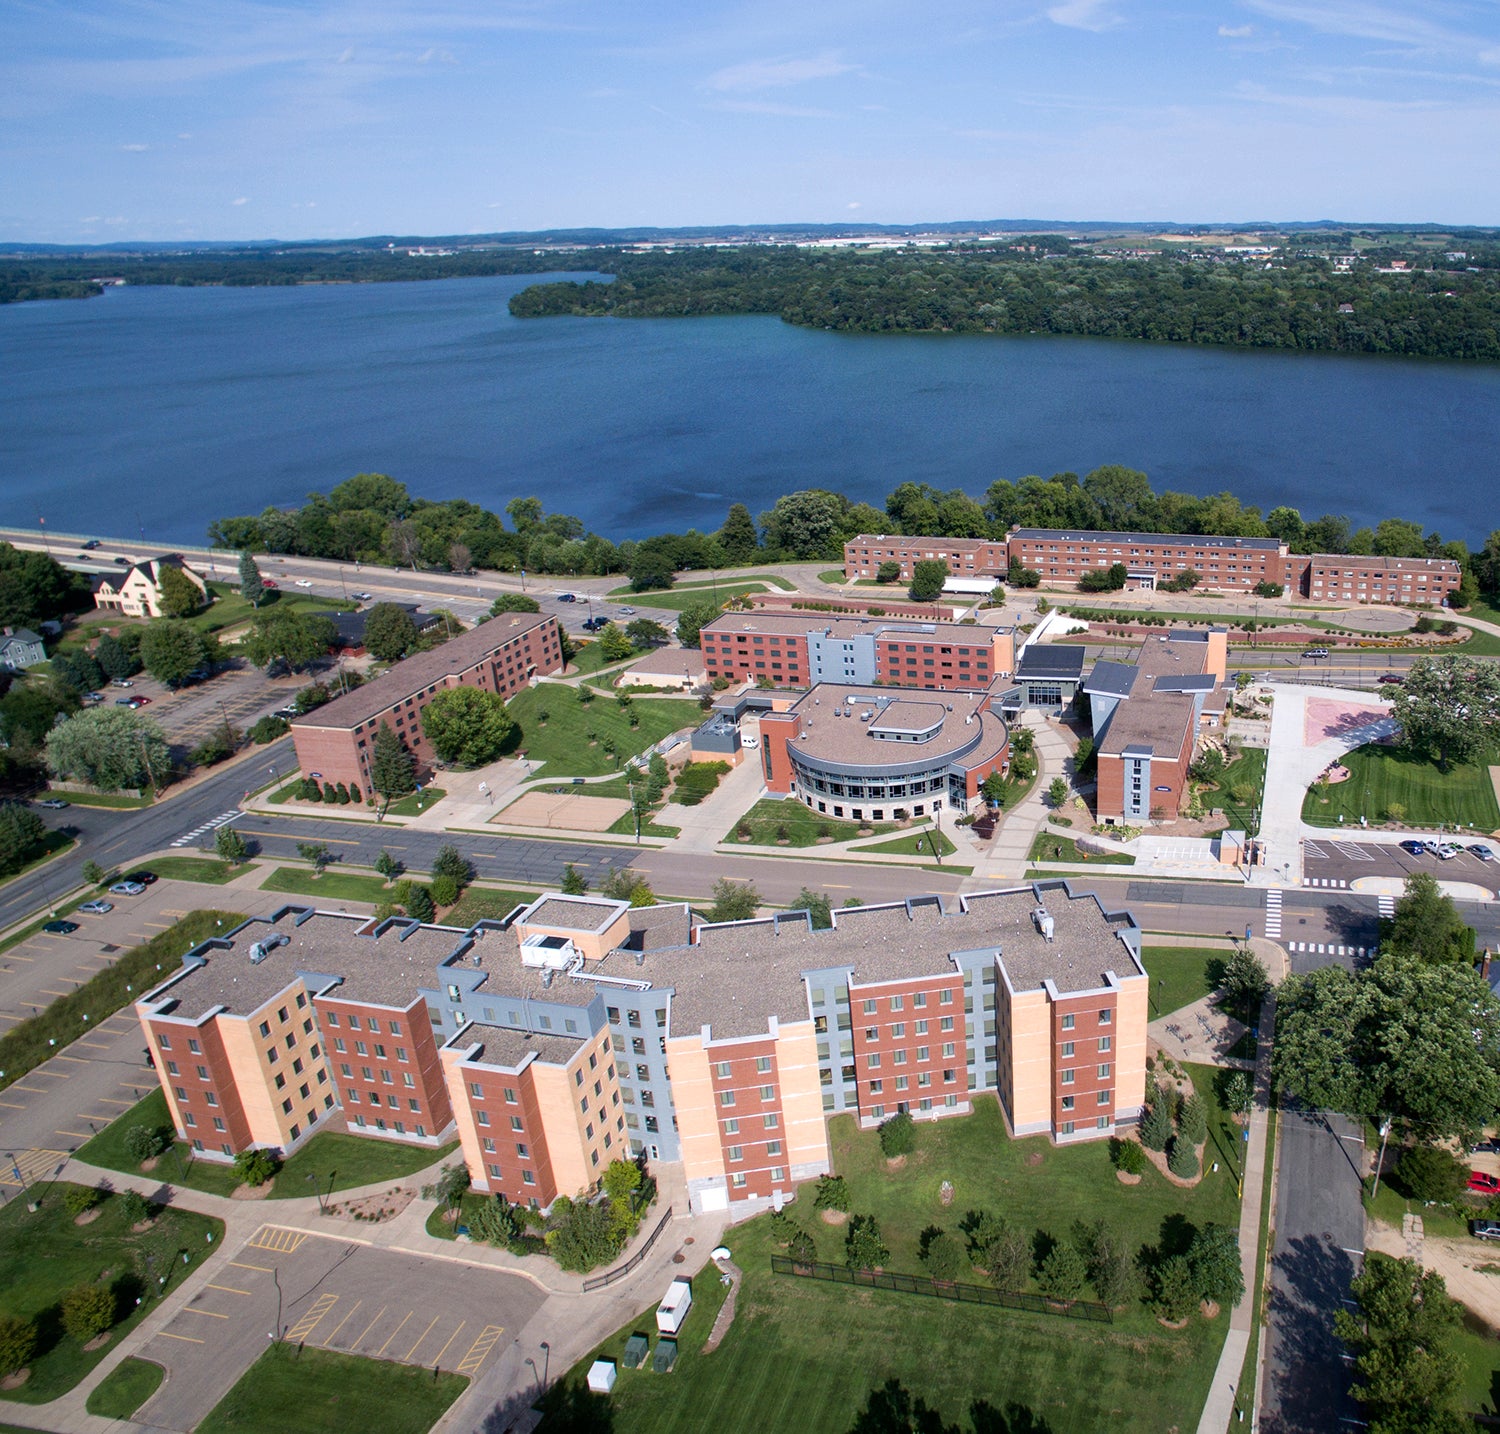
<point x="160" y="409"/>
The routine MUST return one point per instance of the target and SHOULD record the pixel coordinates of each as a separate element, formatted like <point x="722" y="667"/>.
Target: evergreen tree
<point x="1214" y="1259"/>
<point x="392" y="770"/>
<point x="1156" y="1125"/>
<point x="113" y="658"/>
<point x="1192" y="1122"/>
<point x="252" y="586"/>
<point x="1062" y="1274"/>
<point x="1182" y="1158"/>
<point x="738" y="537"/>
<point x="453" y="863"/>
<point x="573" y="883"/>
<point x="418" y="902"/>
<point x="180" y="595"/>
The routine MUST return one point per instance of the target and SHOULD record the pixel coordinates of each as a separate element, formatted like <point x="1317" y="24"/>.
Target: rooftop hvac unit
<point x="547" y="953"/>
<point x="1044" y="923"/>
<point x="258" y="953"/>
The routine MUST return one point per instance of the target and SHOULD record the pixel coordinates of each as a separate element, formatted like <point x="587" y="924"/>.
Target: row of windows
<point x="1068" y="1076"/>
<point x="898" y="1002"/>
<point x="1105" y="1017"/>
<point x="877" y="1112"/>
<point x="898" y="1028"/>
<point x="1100" y="1098"/>
<point x="924" y="1078"/>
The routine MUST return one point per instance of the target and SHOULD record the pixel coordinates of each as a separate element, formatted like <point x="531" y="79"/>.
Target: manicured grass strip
<point x="415" y="802"/>
<point x="589" y="657"/>
<point x="1245" y="1397"/>
<point x="331" y="886"/>
<point x="1383" y="776"/>
<point x="106" y="799"/>
<point x="43" y="1255"/>
<point x="349" y="1161"/>
<point x="560" y="746"/>
<point x="26" y="1046"/>
<point x="54" y="843"/>
<point x="479" y="903"/>
<point x="1180" y="975"/>
<point x="229" y="609"/>
<point x="832" y="575"/>
<point x="125" y="1388"/>
<point x="803" y="826"/>
<point x="1240" y="788"/>
<point x="1049" y="846"/>
<point x="310" y="1391"/>
<point x="198" y="868"/>
<point x="918" y="843"/>
<point x="628" y="593"/>
<point x="179" y="1164"/>
<point x="624" y="825"/>
<point x="681" y="598"/>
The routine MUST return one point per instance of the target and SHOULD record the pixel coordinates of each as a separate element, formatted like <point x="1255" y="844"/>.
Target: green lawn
<point x="588" y="658"/>
<point x="54" y="843"/>
<point x="832" y="575"/>
<point x="1381" y="776"/>
<point x="310" y="1391"/>
<point x="107" y="1149"/>
<point x="125" y="1388"/>
<point x="198" y="868"/>
<point x="624" y="825"/>
<point x="1240" y="788"/>
<point x="229" y="609"/>
<point x="1180" y="975"/>
<point x="106" y="799"/>
<point x="415" y="802"/>
<point x="917" y="843"/>
<point x="481" y="902"/>
<point x="803" y="1356"/>
<point x="700" y="585"/>
<point x="331" y="886"/>
<point x="560" y="746"/>
<point x="681" y="598"/>
<point x="1049" y="846"/>
<point x="43" y="1255"/>
<point x="803" y="825"/>
<point x="1479" y="1350"/>
<point x="26" y="1045"/>
<point x="351" y="1160"/>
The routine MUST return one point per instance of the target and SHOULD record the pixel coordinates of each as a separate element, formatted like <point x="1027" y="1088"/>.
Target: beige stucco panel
<point x="697" y="1110"/>
<point x="559" y="1111"/>
<point x="1132" y="1018"/>
<point x="253" y="1083"/>
<point x="801" y="1095"/>
<point x="1031" y="1058"/>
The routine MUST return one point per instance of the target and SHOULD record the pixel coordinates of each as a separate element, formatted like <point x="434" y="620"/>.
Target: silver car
<point x="126" y="888"/>
<point x="97" y="908"/>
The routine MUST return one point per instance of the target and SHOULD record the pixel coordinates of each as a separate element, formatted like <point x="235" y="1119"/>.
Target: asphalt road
<point x="1319" y="1250"/>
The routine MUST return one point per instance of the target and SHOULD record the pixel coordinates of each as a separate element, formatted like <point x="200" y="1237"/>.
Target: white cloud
<point x="184" y="136"/>
<point x="241" y="200"/>
<point x="135" y="148"/>
<point x="1235" y="32"/>
<point x="777" y="74"/>
<point x="346" y="55"/>
<point x="1365" y="21"/>
<point x="1092" y="15"/>
<point x="854" y="204"/>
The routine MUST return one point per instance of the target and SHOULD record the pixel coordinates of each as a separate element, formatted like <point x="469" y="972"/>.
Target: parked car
<point x="1483" y="852"/>
<point x="121" y="682"/>
<point x="1447" y="851"/>
<point x="270" y="583"/>
<point x="1414" y="848"/>
<point x="54" y="804"/>
<point x="594" y="624"/>
<point x="566" y="597"/>
<point x="1485" y="1229"/>
<point x="126" y="888"/>
<point x="60" y="928"/>
<point x="97" y="908"/>
<point x="123" y="562"/>
<point x="304" y="582"/>
<point x="1430" y="847"/>
<point x="89" y="546"/>
<point x="1483" y="1184"/>
<point x="1315" y="654"/>
<point x="749" y="743"/>
<point x="91" y="699"/>
<point x="1486" y="1147"/>
<point x="364" y="597"/>
<point x="146" y="878"/>
<point x="627" y="612"/>
<point x="142" y="701"/>
<point x="130" y="702"/>
<point x="1393" y="678"/>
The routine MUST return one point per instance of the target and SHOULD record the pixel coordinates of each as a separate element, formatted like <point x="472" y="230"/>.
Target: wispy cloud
<point x="1236" y="32"/>
<point x="778" y="74"/>
<point x="135" y="148"/>
<point x="1412" y="26"/>
<point x="768" y="107"/>
<point x="241" y="200"/>
<point x="1095" y="15"/>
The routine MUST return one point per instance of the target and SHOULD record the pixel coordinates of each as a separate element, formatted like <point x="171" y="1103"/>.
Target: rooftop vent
<point x="1042" y="919"/>
<point x="547" y="953"/>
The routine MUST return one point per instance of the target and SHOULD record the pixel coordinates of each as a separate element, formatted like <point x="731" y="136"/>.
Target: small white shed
<point x="602" y="1376"/>
<point x="673" y="1309"/>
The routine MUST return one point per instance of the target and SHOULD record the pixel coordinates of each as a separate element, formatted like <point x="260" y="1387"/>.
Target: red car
<point x="270" y="583"/>
<point x="142" y="701"/>
<point x="1483" y="1184"/>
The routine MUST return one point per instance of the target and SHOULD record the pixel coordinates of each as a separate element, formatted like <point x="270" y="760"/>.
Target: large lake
<point x="156" y="410"/>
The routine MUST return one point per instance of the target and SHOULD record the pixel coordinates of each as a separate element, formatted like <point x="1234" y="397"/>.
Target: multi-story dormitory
<point x="579" y="1030"/>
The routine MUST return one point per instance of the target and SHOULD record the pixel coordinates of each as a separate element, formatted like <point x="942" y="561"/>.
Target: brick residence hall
<point x="578" y="1030"/>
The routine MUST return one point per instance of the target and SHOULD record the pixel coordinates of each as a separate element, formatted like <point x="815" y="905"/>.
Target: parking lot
<point x="328" y="1292"/>
<point x="1332" y="862"/>
<point x="239" y="693"/>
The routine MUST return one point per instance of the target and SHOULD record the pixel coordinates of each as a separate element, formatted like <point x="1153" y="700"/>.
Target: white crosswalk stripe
<point x="1324" y="949"/>
<point x="1387" y="907"/>
<point x="223" y="819"/>
<point x="1273" y="915"/>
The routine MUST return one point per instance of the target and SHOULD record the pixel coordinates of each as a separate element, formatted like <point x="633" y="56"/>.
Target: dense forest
<point x="372" y="518"/>
<point x="1451" y="311"/>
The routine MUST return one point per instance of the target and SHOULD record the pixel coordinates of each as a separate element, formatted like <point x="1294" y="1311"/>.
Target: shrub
<point x="354" y="793"/>
<point x="1427" y="1172"/>
<point x="79" y="1198"/>
<point x="1214" y="1261"/>
<point x="1127" y="1156"/>
<point x="342" y="792"/>
<point x="444" y="891"/>
<point x="1182" y="1158"/>
<point x="1007" y="1256"/>
<point x="944" y="1257"/>
<point x="1156" y="1125"/>
<point x="863" y="1247"/>
<point x="418" y="902"/>
<point x="134" y="1207"/>
<point x="1235" y="1090"/>
<point x="1062" y="1274"/>
<point x="17" y="1344"/>
<point x="388" y="866"/>
<point x="87" y="1311"/>
<point x="1192" y="1121"/>
<point x="330" y="792"/>
<point x="268" y="729"/>
<point x="898" y="1135"/>
<point x="831" y="1193"/>
<point x="311" y="791"/>
<point x="255" y="1167"/>
<point x="144" y="1142"/>
<point x="802" y="1248"/>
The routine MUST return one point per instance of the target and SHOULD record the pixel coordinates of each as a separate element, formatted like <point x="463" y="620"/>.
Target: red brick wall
<point x="966" y="557"/>
<point x="941" y="661"/>
<point x="1065" y="560"/>
<point x="740" y="655"/>
<point x="507" y="1140"/>
<point x="424" y="1102"/>
<point x="1094" y="1019"/>
<point x="188" y="1093"/>
<point x="777" y="729"/>
<point x="892" y="1034"/>
<point x="743" y="1126"/>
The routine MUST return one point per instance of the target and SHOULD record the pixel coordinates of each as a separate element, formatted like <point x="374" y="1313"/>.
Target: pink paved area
<point x="1326" y="718"/>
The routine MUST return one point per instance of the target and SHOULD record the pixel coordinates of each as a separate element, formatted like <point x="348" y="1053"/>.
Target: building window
<point x="726" y="1097"/>
<point x="1067" y="1102"/>
<point x="1067" y="1023"/>
<point x="1104" y="1071"/>
<point x="1067" y="1050"/>
<point x="1104" y="1044"/>
<point x="1067" y="1077"/>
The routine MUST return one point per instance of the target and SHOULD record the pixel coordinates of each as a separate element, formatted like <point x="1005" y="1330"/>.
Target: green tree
<point x="1449" y="709"/>
<point x="802" y="1248"/>
<point x="418" y="901"/>
<point x="33" y="588"/>
<point x="1173" y="1290"/>
<point x="1428" y="1172"/>
<point x="514" y="602"/>
<point x="692" y="621"/>
<point x="451" y="862"/>
<point x="806" y="524"/>
<point x="392" y="768"/>
<point x="738" y="536"/>
<point x="1057" y="791"/>
<point x="88" y="1310"/>
<point x="113" y="658"/>
<point x="1426" y="925"/>
<point x="651" y="570"/>
<point x="444" y="891"/>
<point x="734" y="900"/>
<point x="573" y="883"/>
<point x="388" y="866"/>
<point x="77" y="671"/>
<point x="1156" y="1126"/>
<point x="944" y="1257"/>
<point x="1416" y="1043"/>
<point x="1214" y="1259"/>
<point x="170" y="650"/>
<point x="898" y="1135"/>
<point x="252" y="585"/>
<point x="18" y="1342"/>
<point x="289" y="636"/>
<point x="644" y="633"/>
<point x="1245" y="981"/>
<point x="180" y="595"/>
<point x="109" y="748"/>
<point x="622" y="1178"/>
<point x="1192" y="1121"/>
<point x="1410" y="1377"/>
<point x="614" y="644"/>
<point x="22" y="836"/>
<point x="831" y="1193"/>
<point x="467" y="725"/>
<point x="390" y="632"/>
<point x="815" y="903"/>
<point x="1062" y="1274"/>
<point x="863" y="1247"/>
<point x="1106" y="1258"/>
<point x="1006" y="1254"/>
<point x="230" y="845"/>
<point x="580" y="1235"/>
<point x="888" y="572"/>
<point x="1182" y="1158"/>
<point x="928" y="575"/>
<point x="145" y="1142"/>
<point x="450" y="1187"/>
<point x="317" y="853"/>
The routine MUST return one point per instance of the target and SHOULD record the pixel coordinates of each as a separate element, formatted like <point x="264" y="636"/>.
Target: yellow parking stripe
<point x="342" y="1323"/>
<point x="207" y="1314"/>
<point x="77" y="1060"/>
<point x="264" y="1269"/>
<point x="312" y="1318"/>
<point x="394" y="1333"/>
<point x="421" y="1337"/>
<point x="228" y="1289"/>
<point x="276" y="1237"/>
<point x="488" y="1337"/>
<point x="35" y="1164"/>
<point x="369" y="1327"/>
<point x="451" y="1338"/>
<point x="185" y="1338"/>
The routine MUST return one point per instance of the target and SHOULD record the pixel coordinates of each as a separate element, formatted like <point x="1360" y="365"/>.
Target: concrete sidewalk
<point x="1009" y="855"/>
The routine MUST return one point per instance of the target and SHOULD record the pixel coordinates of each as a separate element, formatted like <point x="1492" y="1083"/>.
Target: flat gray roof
<point x="1157" y="722"/>
<point x="1176" y="540"/>
<point x="847" y="741"/>
<point x="502" y="1046"/>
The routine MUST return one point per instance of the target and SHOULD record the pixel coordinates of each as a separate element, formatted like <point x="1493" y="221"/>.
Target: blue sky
<point x="170" y="119"/>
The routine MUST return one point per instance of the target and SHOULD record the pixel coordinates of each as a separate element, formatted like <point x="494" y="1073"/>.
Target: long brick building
<point x="502" y="655"/>
<point x="579" y="1030"/>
